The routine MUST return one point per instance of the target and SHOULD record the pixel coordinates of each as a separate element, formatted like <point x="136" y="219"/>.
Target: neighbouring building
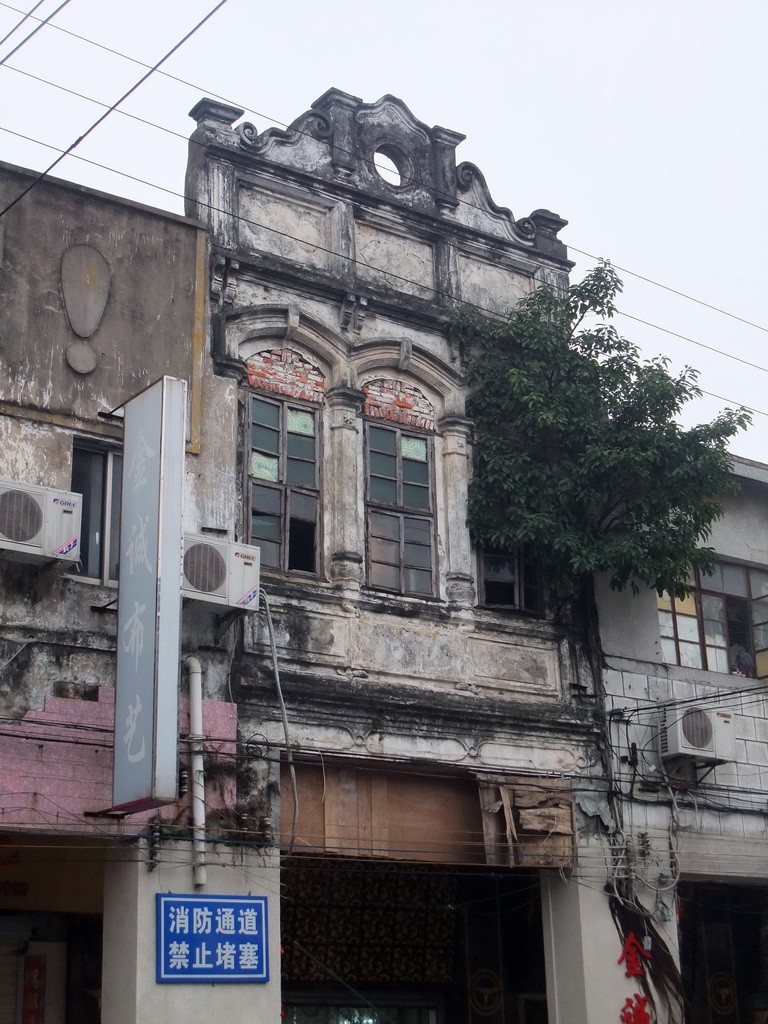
<point x="99" y="297"/>
<point x="449" y="816"/>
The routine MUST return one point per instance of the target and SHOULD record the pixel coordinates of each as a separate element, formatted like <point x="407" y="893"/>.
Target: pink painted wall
<point x="56" y="764"/>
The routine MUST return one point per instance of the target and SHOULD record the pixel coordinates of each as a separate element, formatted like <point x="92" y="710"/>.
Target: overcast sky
<point x="642" y="122"/>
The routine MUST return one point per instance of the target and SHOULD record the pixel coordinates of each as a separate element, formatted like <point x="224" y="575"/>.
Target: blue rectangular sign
<point x="211" y="938"/>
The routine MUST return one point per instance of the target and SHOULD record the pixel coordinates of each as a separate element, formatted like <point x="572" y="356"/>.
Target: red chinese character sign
<point x="633" y="953"/>
<point x="635" y="1012"/>
<point x="631" y="956"/>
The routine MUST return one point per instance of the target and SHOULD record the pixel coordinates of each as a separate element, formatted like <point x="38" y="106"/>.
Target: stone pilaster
<point x="456" y="434"/>
<point x="343" y="474"/>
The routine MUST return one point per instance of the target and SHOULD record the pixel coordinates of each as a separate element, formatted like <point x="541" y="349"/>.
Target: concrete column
<point x="342" y="477"/>
<point x="130" y="993"/>
<point x="455" y="431"/>
<point x="585" y="982"/>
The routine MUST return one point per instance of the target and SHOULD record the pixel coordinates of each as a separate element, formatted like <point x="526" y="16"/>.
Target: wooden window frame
<point x="105" y="517"/>
<point x="399" y="510"/>
<point x="289" y="493"/>
<point x="704" y="646"/>
<point x="523" y="563"/>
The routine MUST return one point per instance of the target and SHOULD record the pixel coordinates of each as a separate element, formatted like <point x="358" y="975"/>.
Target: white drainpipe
<point x="195" y="670"/>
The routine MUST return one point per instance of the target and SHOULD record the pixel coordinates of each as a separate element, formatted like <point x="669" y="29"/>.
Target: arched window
<point x="400" y="500"/>
<point x="283" y="471"/>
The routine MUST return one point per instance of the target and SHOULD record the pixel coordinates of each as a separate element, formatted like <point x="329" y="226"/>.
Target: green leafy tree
<point x="579" y="452"/>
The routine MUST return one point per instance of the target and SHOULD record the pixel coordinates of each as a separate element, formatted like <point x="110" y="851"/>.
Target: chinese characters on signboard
<point x="212" y="938"/>
<point x="149" y="597"/>
<point x="633" y="953"/>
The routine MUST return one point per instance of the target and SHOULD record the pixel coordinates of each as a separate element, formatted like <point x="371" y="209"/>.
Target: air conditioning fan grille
<point x="697" y="729"/>
<point x="205" y="568"/>
<point x="21" y="517"/>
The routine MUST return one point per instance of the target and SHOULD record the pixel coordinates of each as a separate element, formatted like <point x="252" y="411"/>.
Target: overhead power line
<point x="284" y="234"/>
<point x="34" y="31"/>
<point x="285" y="124"/>
<point x="184" y="138"/>
<point x="114" y="106"/>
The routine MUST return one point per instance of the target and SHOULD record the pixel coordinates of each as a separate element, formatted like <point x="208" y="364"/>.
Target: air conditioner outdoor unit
<point x="692" y="734"/>
<point x="221" y="573"/>
<point x="39" y="524"/>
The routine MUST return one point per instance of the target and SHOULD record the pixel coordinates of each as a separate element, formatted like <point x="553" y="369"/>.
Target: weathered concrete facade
<point x="693" y="829"/>
<point x="404" y="751"/>
<point x="98" y="299"/>
<point x="425" y="724"/>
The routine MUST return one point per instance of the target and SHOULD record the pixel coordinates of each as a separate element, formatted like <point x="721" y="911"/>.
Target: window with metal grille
<point x="400" y="511"/>
<point x="722" y="625"/>
<point x="97" y="475"/>
<point x="511" y="580"/>
<point x="284" y="485"/>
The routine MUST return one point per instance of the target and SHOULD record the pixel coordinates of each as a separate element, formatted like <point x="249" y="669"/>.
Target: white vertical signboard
<point x="149" y="598"/>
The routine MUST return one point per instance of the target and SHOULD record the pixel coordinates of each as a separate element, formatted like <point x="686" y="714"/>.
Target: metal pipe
<point x="199" y="868"/>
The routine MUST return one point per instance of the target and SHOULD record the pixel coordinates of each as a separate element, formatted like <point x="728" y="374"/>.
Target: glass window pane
<point x="265" y="439"/>
<point x="266" y="499"/>
<point x="415" y="496"/>
<point x="717" y="659"/>
<point x="297" y="472"/>
<point x="760" y="610"/>
<point x="386" y="526"/>
<point x="301" y="422"/>
<point x="758" y="581"/>
<point x="303" y="506"/>
<point x="386" y="576"/>
<point x="301" y="447"/>
<point x="690" y="655"/>
<point x="664" y="601"/>
<point x="385" y="551"/>
<point x="666" y="627"/>
<point x="414" y="448"/>
<point x="382" y="440"/>
<point x="265" y="412"/>
<point x="500" y="567"/>
<point x="735" y="580"/>
<point x="88" y="480"/>
<point x="668" y="651"/>
<point x="712" y="607"/>
<point x="383" y="465"/>
<point x="419" y="531"/>
<point x="686" y="605"/>
<point x="415" y="472"/>
<point x="265" y="527"/>
<point x="687" y="628"/>
<point x="114" y="517"/>
<point x="760" y="636"/>
<point x="417" y="555"/>
<point x="264" y="467"/>
<point x="714" y="581"/>
<point x="383" y="490"/>
<point x="270" y="553"/>
<point x="417" y="581"/>
<point x="761" y="668"/>
<point x="714" y="633"/>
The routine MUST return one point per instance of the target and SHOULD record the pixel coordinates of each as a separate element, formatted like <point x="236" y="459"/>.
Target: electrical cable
<point x="285" y="126"/>
<point x="619" y="312"/>
<point x="284" y="716"/>
<point x="18" y="24"/>
<point x="114" y="106"/>
<point x="34" y="31"/>
<point x="320" y="248"/>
